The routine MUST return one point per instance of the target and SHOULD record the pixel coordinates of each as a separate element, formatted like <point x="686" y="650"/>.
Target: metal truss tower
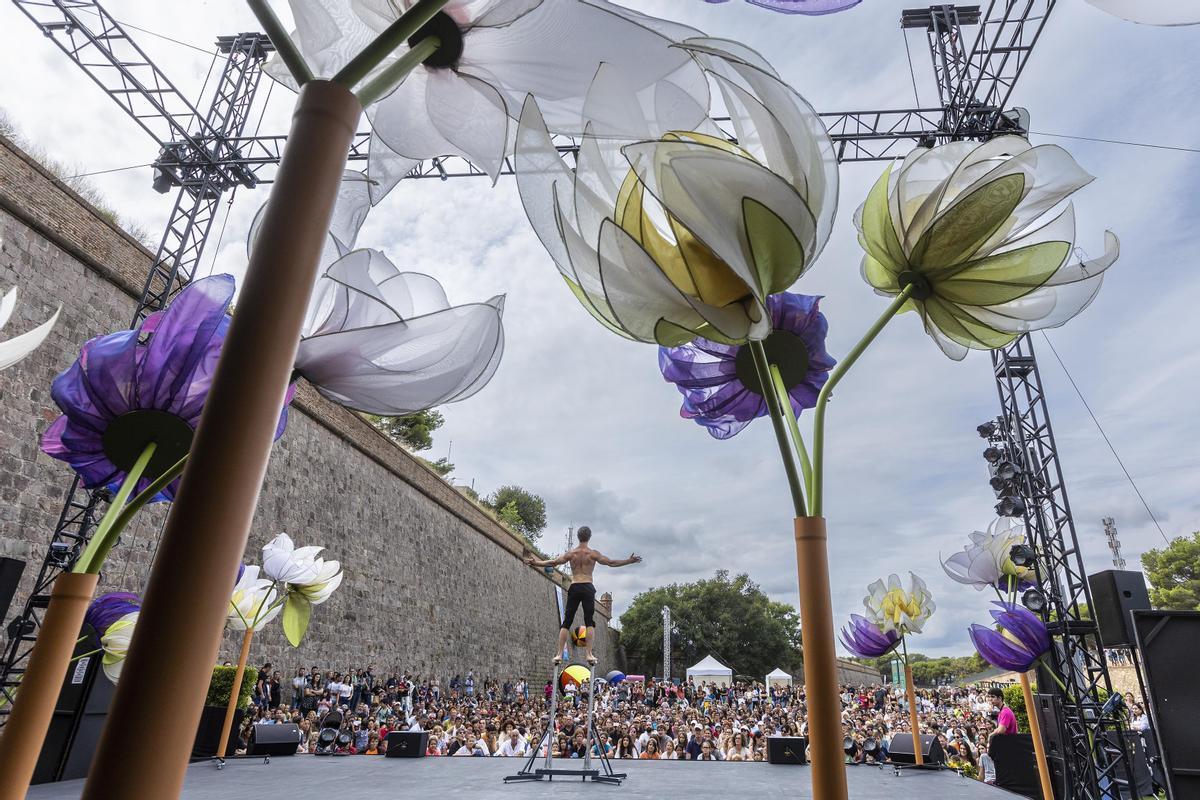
<point x="193" y="155"/>
<point x="1114" y="544"/>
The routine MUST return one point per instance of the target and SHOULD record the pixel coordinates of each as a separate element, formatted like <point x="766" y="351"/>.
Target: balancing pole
<point x="143" y="753"/>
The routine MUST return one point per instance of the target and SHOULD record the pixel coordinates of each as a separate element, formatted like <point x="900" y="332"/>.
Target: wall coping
<point x="123" y="261"/>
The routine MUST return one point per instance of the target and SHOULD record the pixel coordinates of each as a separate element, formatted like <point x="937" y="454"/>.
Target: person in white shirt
<point x="514" y="745"/>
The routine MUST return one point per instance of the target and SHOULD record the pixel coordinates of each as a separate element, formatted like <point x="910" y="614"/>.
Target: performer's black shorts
<point x="580" y="594"/>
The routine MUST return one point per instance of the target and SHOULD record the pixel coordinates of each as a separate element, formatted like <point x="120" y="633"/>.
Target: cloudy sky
<point x="585" y="419"/>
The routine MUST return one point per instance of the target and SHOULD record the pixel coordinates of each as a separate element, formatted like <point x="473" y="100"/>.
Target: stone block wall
<point x="433" y="585"/>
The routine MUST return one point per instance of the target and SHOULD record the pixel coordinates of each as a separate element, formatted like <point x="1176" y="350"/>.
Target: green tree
<point x="528" y="511"/>
<point x="414" y="431"/>
<point x="441" y="466"/>
<point x="729" y="618"/>
<point x="1174" y="573"/>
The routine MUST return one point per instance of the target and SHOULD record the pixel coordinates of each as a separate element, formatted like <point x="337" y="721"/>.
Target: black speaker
<point x="1016" y="765"/>
<point x="79" y="715"/>
<point x="1116" y="592"/>
<point x="10" y="576"/>
<point x="1048" y="706"/>
<point x="1167" y="642"/>
<point x="900" y="749"/>
<point x="406" y="744"/>
<point x="1142" y="780"/>
<point x="274" y="740"/>
<point x="787" y="750"/>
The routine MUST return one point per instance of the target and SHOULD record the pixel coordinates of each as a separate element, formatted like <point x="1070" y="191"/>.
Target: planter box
<point x="208" y="735"/>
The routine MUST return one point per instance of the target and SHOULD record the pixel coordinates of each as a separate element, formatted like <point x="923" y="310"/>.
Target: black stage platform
<point x="369" y="777"/>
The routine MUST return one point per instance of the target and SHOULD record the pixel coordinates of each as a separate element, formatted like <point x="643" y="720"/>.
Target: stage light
<point x="1034" y="600"/>
<point x="998" y="484"/>
<point x="987" y="430"/>
<point x="1114" y="705"/>
<point x="870" y="746"/>
<point x="163" y="181"/>
<point x="1007" y="471"/>
<point x="1022" y="555"/>
<point x="848" y="745"/>
<point x="993" y="454"/>
<point x="1011" y="507"/>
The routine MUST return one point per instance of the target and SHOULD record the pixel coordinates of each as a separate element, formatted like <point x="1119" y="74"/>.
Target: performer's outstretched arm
<point x="547" y="562"/>
<point x="634" y="558"/>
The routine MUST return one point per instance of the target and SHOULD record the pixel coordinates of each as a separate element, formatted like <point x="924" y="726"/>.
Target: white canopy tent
<point x="778" y="677"/>
<point x="711" y="669"/>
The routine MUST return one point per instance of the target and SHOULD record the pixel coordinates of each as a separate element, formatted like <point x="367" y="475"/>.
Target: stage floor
<point x="368" y="777"/>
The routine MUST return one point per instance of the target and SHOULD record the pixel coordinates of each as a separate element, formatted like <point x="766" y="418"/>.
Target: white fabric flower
<point x="679" y="233"/>
<point x="463" y="103"/>
<point x="1152" y="12"/>
<point x="893" y="608"/>
<point x="115" y="644"/>
<point x="985" y="562"/>
<point x="975" y="229"/>
<point x="328" y="577"/>
<point x="16" y="348"/>
<point x="286" y="563"/>
<point x="382" y="341"/>
<point x="252" y="603"/>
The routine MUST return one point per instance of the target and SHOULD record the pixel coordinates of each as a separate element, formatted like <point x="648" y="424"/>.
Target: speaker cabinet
<point x="1167" y="642"/>
<point x="786" y="750"/>
<point x="900" y="749"/>
<point x="406" y="744"/>
<point x="1142" y="781"/>
<point x="1016" y="765"/>
<point x="79" y="715"/>
<point x="1115" y="593"/>
<point x="274" y="740"/>
<point x="10" y="576"/>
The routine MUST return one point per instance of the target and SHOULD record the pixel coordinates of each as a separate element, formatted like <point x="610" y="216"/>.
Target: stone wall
<point x="433" y="585"/>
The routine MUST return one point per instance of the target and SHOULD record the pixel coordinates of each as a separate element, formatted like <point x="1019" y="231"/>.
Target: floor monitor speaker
<point x="787" y="750"/>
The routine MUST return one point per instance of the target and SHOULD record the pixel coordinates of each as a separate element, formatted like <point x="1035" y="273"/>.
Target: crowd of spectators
<point x="471" y="716"/>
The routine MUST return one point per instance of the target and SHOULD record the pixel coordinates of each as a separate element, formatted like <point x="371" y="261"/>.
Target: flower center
<point x="127" y="436"/>
<point x="898" y="602"/>
<point x="449" y="51"/>
<point x="922" y="290"/>
<point x="689" y="264"/>
<point x="785" y="350"/>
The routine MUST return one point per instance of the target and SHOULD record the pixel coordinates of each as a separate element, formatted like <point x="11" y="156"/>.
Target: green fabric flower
<point x="969" y="226"/>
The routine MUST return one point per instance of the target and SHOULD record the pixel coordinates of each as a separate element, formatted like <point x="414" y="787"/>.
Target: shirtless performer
<point x="582" y="593"/>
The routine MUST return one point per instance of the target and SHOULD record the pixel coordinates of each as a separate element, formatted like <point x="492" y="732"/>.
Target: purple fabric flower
<point x="719" y="383"/>
<point x="863" y="638"/>
<point x="108" y="608"/>
<point x="810" y="8"/>
<point x="165" y="365"/>
<point x="1020" y="642"/>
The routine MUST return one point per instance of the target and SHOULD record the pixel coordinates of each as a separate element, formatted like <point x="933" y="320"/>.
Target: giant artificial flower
<point x="308" y="581"/>
<point x="387" y="342"/>
<point x="253" y="601"/>
<point x="113" y="616"/>
<point x="893" y="608"/>
<point x="720" y="384"/>
<point x="864" y="639"/>
<point x="1152" y="12"/>
<point x="1021" y="638"/>
<point x="810" y="8"/>
<point x="985" y="563"/>
<point x="115" y="643"/>
<point x="968" y="226"/>
<point x="682" y="233"/>
<point x="143" y="385"/>
<point x="14" y="349"/>
<point x="493" y="53"/>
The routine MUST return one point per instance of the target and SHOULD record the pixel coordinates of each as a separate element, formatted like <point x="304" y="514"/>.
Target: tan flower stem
<point x="106" y="533"/>
<point x="910" y="693"/>
<point x="823" y="398"/>
<point x="390" y="78"/>
<point x="288" y="52"/>
<point x="396" y="34"/>
<point x="759" y="354"/>
<point x="794" y="426"/>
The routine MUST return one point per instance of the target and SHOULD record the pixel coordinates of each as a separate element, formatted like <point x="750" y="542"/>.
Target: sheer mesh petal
<point x="470" y="115"/>
<point x="408" y="366"/>
<point x="385" y="168"/>
<point x="349" y="213"/>
<point x="706" y="189"/>
<point x="810" y="8"/>
<point x="1152" y="12"/>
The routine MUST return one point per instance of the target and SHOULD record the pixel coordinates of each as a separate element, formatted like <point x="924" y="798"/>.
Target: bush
<point x="222" y="683"/>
